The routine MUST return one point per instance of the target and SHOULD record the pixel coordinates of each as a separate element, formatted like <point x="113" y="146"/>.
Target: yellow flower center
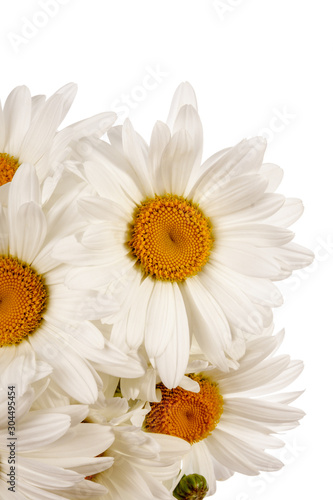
<point x="22" y="300"/>
<point x="8" y="166"/>
<point x="189" y="415"/>
<point x="170" y="238"/>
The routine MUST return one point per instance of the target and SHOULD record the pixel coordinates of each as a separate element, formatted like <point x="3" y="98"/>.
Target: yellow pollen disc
<point x="170" y="238"/>
<point x="188" y="415"/>
<point x="22" y="300"/>
<point x="8" y="166"/>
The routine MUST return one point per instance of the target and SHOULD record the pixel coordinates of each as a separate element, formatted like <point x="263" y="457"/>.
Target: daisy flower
<point x="28" y="131"/>
<point x="142" y="461"/>
<point x="49" y="453"/>
<point x="37" y="312"/>
<point x="230" y="421"/>
<point x="194" y="248"/>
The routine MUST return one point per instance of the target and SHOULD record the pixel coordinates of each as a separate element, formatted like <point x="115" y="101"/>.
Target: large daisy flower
<point x="142" y="461"/>
<point x="193" y="247"/>
<point x="37" y="312"/>
<point x="231" y="418"/>
<point x="46" y="454"/>
<point x="29" y="131"/>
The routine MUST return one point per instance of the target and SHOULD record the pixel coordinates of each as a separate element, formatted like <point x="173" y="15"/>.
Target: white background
<point x="250" y="61"/>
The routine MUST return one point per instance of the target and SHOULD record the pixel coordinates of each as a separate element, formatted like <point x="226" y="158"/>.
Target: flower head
<point x="231" y="418"/>
<point x="192" y="248"/>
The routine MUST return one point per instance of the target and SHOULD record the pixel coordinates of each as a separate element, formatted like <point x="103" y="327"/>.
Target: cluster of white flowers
<point x="137" y="350"/>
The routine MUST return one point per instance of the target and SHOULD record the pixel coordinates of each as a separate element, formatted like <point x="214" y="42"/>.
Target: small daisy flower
<point x="194" y="248"/>
<point x="29" y="131"/>
<point x="49" y="453"/>
<point x="37" y="312"/>
<point x="230" y="421"/>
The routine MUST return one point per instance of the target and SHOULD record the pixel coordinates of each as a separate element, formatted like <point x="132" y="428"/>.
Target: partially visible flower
<point x="49" y="453"/>
<point x="38" y="314"/>
<point x="29" y="131"/>
<point x="142" y="461"/>
<point x="193" y="249"/>
<point x="230" y="421"/>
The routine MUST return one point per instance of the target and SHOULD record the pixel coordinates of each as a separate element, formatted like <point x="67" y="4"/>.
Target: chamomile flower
<point x="37" y="312"/>
<point x="29" y="131"/>
<point x="232" y="417"/>
<point x="194" y="249"/>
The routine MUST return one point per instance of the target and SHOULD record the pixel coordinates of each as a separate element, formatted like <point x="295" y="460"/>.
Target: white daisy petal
<point x="70" y="250"/>
<point x="184" y="95"/>
<point x="94" y="126"/>
<point x="4" y="234"/>
<point x="177" y="162"/>
<point x="83" y="465"/>
<point x="160" y="137"/>
<point x="289" y="213"/>
<point x="238" y="456"/>
<point x="98" y="208"/>
<point x="189" y="120"/>
<point x="2" y="129"/>
<point x="254" y="434"/>
<point x="136" y="156"/>
<point x="77" y="413"/>
<point x="17" y="113"/>
<point x="24" y="188"/>
<point x="207" y="321"/>
<point x="238" y="194"/>
<point x="248" y="260"/>
<point x="70" y="370"/>
<point x="136" y="319"/>
<point x="172" y="363"/>
<point x="274" y="175"/>
<point x="37" y="102"/>
<point x="267" y="205"/>
<point x="68" y="93"/>
<point x="245" y="157"/>
<point x="41" y="131"/>
<point x="37" y="431"/>
<point x="160" y="319"/>
<point x="30" y="227"/>
<point x="105" y="184"/>
<point x="250" y="378"/>
<point x="263" y="411"/>
<point x="70" y="445"/>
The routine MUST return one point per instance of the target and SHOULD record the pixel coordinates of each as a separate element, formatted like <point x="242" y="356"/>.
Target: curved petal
<point x="160" y="137"/>
<point x="71" y="372"/>
<point x="177" y="163"/>
<point x="172" y="363"/>
<point x="17" y="116"/>
<point x="137" y="156"/>
<point x="184" y="95"/>
<point x="207" y="322"/>
<point x="244" y="158"/>
<point x="160" y="319"/>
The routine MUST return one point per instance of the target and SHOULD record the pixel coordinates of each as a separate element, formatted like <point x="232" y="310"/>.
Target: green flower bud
<point x="191" y="487"/>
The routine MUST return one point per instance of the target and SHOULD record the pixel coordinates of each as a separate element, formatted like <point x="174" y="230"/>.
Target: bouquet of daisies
<point x="137" y="353"/>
